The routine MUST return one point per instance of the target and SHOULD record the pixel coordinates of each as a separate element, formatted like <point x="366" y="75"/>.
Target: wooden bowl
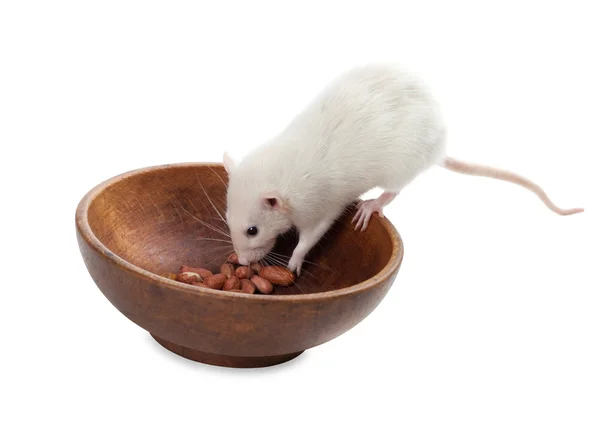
<point x="137" y="226"/>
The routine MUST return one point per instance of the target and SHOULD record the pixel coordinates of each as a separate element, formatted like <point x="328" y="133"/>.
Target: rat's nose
<point x="242" y="260"/>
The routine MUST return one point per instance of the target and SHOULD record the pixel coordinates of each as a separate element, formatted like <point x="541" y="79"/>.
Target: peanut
<point x="232" y="283"/>
<point x="216" y="281"/>
<point x="247" y="286"/>
<point x="277" y="275"/>
<point x="243" y="272"/>
<point x="201" y="285"/>
<point x="227" y="269"/>
<point x="188" y="277"/>
<point x="203" y="272"/>
<point x="262" y="284"/>
<point x="248" y="279"/>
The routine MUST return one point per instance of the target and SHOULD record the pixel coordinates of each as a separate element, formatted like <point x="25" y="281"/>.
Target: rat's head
<point x="255" y="215"/>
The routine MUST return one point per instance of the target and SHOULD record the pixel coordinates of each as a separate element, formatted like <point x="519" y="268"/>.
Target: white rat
<point x="373" y="126"/>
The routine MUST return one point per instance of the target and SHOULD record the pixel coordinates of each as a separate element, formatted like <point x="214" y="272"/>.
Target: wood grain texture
<point x="139" y="225"/>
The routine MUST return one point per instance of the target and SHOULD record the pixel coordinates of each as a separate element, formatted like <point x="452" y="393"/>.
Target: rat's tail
<point x="479" y="170"/>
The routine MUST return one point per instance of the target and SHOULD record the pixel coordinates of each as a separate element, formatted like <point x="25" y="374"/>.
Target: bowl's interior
<point x="161" y="218"/>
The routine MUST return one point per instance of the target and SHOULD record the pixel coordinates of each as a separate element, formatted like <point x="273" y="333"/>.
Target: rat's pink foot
<point x="364" y="212"/>
<point x="366" y="208"/>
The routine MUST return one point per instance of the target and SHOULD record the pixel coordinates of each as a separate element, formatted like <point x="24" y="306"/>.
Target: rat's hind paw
<point x="364" y="211"/>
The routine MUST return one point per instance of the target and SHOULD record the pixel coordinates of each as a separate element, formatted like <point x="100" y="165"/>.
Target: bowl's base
<point x="223" y="360"/>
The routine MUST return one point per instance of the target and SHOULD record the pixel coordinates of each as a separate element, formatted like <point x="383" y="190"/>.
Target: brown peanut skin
<point x="233" y="258"/>
<point x="232" y="283"/>
<point x="239" y="291"/>
<point x="277" y="275"/>
<point x="247" y="286"/>
<point x="203" y="272"/>
<point x="201" y="285"/>
<point x="188" y="277"/>
<point x="216" y="281"/>
<point x="255" y="266"/>
<point x="262" y="284"/>
<point x="227" y="269"/>
<point x="244" y="272"/>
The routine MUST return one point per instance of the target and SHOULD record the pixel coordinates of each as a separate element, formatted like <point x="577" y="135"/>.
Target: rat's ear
<point x="229" y="162"/>
<point x="273" y="200"/>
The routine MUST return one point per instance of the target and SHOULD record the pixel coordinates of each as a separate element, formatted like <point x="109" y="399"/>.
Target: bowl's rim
<point x="84" y="229"/>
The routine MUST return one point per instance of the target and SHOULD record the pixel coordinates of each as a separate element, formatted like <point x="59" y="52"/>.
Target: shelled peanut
<point x="233" y="277"/>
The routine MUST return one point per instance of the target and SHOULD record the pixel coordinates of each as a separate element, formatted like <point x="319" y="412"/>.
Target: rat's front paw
<point x="295" y="265"/>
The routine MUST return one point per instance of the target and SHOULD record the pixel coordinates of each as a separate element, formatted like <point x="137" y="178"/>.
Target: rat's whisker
<point x="224" y="254"/>
<point x="270" y="256"/>
<point x="265" y="260"/>
<point x="207" y="225"/>
<point x="209" y="199"/>
<point x="280" y="256"/>
<point x="213" y="240"/>
<point x="305" y="271"/>
<point x="213" y="228"/>
<point x="298" y="286"/>
<point x="281" y="261"/>
<point x="211" y="250"/>
<point x="214" y="217"/>
<point x="273" y="260"/>
<point x="286" y="257"/>
<point x="218" y="176"/>
<point x="206" y="209"/>
<point x="277" y="262"/>
<point x="284" y="263"/>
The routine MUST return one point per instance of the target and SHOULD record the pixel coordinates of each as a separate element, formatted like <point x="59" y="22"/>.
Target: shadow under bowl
<point x="135" y="227"/>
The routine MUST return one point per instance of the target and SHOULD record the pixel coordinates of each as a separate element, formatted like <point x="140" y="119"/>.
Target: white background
<point x="494" y="319"/>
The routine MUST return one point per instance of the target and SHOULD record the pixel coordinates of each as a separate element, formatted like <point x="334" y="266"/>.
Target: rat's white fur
<point x="373" y="126"/>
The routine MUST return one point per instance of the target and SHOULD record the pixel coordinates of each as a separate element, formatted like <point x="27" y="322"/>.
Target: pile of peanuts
<point x="233" y="277"/>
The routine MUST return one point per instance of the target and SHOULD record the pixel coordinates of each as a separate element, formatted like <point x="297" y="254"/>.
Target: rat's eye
<point x="252" y="231"/>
